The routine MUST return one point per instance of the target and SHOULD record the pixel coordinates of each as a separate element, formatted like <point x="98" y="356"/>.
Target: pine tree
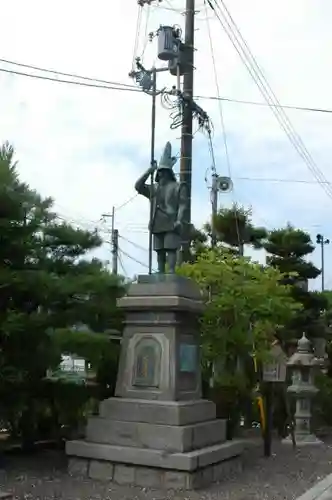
<point x="234" y="227"/>
<point x="47" y="285"/>
<point x="289" y="248"/>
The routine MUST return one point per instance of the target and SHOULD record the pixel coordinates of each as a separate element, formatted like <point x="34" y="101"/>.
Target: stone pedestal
<point x="6" y="496"/>
<point x="157" y="431"/>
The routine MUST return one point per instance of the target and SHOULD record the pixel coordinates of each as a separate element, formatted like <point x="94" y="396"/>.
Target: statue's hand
<point x="153" y="167"/>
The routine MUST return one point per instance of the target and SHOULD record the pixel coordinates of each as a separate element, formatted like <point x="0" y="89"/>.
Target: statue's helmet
<point x="167" y="161"/>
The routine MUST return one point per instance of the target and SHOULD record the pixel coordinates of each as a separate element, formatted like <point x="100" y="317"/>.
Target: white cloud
<point x="86" y="146"/>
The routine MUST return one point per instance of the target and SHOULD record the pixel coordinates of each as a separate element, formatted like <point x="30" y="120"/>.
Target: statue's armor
<point x="165" y="205"/>
<point x="169" y="200"/>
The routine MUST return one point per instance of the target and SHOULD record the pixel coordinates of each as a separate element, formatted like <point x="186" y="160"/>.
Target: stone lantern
<point x="303" y="365"/>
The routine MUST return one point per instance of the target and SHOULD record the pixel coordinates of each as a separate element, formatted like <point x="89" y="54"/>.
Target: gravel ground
<point x="285" y="475"/>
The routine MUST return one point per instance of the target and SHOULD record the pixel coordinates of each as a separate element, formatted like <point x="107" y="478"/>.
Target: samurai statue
<point x="169" y="201"/>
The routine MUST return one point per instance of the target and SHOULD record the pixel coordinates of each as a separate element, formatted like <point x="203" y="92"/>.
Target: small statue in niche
<point x="169" y="200"/>
<point x="147" y="363"/>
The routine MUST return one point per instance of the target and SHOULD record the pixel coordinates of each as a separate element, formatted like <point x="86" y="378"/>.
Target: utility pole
<point x="115" y="251"/>
<point x="219" y="184"/>
<point x="180" y="58"/>
<point x="114" y="241"/>
<point x="152" y="156"/>
<point x="322" y="242"/>
<point x="214" y="204"/>
<point x="187" y="124"/>
<point x="115" y="244"/>
<point x="147" y="80"/>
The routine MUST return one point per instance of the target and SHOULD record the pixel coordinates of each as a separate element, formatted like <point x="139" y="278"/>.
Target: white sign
<point x="275" y="371"/>
<point x="72" y="364"/>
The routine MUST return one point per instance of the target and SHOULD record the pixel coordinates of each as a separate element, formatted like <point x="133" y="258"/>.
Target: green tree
<point x="199" y="242"/>
<point x="289" y="248"/>
<point x="47" y="285"/>
<point x="246" y="305"/>
<point x="234" y="227"/>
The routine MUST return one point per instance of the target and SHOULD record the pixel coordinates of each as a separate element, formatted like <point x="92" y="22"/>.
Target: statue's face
<point x="165" y="176"/>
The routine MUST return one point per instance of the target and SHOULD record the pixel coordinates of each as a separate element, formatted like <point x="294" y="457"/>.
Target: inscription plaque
<point x="147" y="358"/>
<point x="188" y="358"/>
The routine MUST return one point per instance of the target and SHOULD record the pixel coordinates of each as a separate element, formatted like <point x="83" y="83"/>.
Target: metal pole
<point x="113" y="220"/>
<point x="152" y="158"/>
<point x="214" y="203"/>
<point x="187" y="129"/>
<point x="115" y="244"/>
<point x="323" y="263"/>
<point x="268" y="400"/>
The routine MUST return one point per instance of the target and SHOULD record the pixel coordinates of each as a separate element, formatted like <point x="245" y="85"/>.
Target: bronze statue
<point x="169" y="201"/>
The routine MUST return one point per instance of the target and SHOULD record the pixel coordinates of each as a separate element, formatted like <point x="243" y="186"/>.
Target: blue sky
<point x="86" y="146"/>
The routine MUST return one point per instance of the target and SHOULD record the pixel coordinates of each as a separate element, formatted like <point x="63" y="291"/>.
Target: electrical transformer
<point x="168" y="43"/>
<point x="177" y="66"/>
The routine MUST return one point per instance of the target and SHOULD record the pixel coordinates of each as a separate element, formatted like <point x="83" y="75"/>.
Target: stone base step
<point x="303" y="440"/>
<point x="158" y="412"/>
<point x="168" y="438"/>
<point x="189" y="461"/>
<point x="214" y="464"/>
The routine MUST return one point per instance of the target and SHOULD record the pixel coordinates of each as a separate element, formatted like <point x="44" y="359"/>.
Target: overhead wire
<point x="264" y="104"/>
<point x="133" y="88"/>
<point x="124" y="86"/>
<point x="148" y="11"/>
<point x="136" y="245"/>
<point x="91" y="224"/>
<point x="81" y="224"/>
<point x="287" y="181"/>
<point x="61" y="73"/>
<point x="122" y="266"/>
<point x="222" y="123"/>
<point x="119" y="86"/>
<point x="137" y="261"/>
<point x="171" y="8"/>
<point x="129" y="200"/>
<point x="137" y="34"/>
<point x="259" y="78"/>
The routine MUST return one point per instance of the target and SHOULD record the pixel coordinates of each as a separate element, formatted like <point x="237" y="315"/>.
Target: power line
<point x="214" y="190"/>
<point x="83" y="84"/>
<point x="126" y="202"/>
<point x="134" y="259"/>
<point x="109" y="85"/>
<point x="291" y="181"/>
<point x="88" y="222"/>
<point x="137" y="34"/>
<point x="248" y="59"/>
<point x="139" y="247"/>
<point x="264" y="104"/>
<point x="222" y="121"/>
<point x="71" y="75"/>
<point x="122" y="266"/>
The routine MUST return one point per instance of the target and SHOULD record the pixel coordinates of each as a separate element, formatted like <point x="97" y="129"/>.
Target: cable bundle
<point x="175" y="105"/>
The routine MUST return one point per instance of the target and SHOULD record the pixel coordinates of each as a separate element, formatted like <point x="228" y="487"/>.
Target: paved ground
<point x="286" y="475"/>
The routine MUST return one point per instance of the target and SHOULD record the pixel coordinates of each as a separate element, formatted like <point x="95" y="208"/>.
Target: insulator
<point x="144" y="79"/>
<point x="168" y="44"/>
